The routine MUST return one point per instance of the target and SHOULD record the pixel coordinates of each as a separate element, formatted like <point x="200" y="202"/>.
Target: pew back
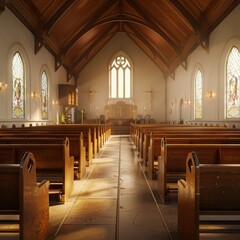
<point x="171" y="163"/>
<point x="53" y="163"/>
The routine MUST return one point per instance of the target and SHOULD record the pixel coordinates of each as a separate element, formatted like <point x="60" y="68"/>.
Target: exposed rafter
<point x="150" y="46"/>
<point x="92" y="44"/>
<point x="57" y="15"/>
<point x="87" y="26"/>
<point x="99" y="47"/>
<point x="168" y="32"/>
<point x="186" y="15"/>
<point x="155" y="27"/>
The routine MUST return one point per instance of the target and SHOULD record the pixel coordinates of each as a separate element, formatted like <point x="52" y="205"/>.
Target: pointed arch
<point x="18" y="86"/>
<point x="45" y="93"/>
<point x="198" y="94"/>
<point x="120" y="77"/>
<point x="197" y="88"/>
<point x="232" y="94"/>
<point x="16" y="47"/>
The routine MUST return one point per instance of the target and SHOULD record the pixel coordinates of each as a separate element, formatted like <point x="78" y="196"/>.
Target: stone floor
<point x="114" y="201"/>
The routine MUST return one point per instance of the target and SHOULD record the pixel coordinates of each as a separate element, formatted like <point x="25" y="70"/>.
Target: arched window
<point x="120" y="78"/>
<point x="198" y="101"/>
<point x="44" y="96"/>
<point x="18" y="87"/>
<point x="232" y="84"/>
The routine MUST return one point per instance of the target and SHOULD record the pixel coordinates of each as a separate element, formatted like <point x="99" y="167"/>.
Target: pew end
<point x="209" y="199"/>
<point x="25" y="203"/>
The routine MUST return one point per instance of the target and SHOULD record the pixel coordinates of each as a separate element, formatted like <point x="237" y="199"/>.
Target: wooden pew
<point x="24" y="203"/>
<point x="99" y="133"/>
<point x="53" y="163"/>
<point x="208" y="199"/>
<point x="141" y="129"/>
<point x="65" y="130"/>
<point x="76" y="143"/>
<point x="171" y="163"/>
<point x="98" y="139"/>
<point x="185" y="132"/>
<point x="154" y="149"/>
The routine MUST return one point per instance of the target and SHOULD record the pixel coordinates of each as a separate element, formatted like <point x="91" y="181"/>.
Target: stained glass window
<point x="198" y="94"/>
<point x="120" y="83"/>
<point x="18" y="87"/>
<point x="44" y="96"/>
<point x="232" y="84"/>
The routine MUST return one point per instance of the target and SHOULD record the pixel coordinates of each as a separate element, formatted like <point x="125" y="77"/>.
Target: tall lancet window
<point x="18" y="87"/>
<point x="232" y="84"/>
<point x="120" y="78"/>
<point x="44" y="96"/>
<point x="198" y="103"/>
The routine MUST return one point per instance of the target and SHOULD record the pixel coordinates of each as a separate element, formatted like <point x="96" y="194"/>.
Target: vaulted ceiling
<point x="74" y="31"/>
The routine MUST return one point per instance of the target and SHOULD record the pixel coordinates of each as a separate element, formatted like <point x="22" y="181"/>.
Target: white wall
<point x="145" y="75"/>
<point x="15" y="36"/>
<point x="221" y="40"/>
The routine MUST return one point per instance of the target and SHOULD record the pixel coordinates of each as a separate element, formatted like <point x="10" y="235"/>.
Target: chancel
<point x="112" y="111"/>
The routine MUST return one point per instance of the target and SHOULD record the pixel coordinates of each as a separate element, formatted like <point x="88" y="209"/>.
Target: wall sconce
<point x="35" y="95"/>
<point x="210" y="94"/>
<point x="3" y="86"/>
<point x="173" y="104"/>
<point x="186" y="102"/>
<point x="55" y="102"/>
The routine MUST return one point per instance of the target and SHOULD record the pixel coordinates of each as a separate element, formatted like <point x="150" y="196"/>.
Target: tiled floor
<point x="114" y="201"/>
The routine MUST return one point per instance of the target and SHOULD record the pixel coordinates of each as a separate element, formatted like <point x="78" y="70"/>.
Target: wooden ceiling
<point x="74" y="31"/>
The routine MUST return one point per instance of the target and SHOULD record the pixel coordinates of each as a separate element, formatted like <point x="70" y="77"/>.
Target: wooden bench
<point x="138" y="131"/>
<point x="67" y="130"/>
<point x="154" y="149"/>
<point x="171" y="163"/>
<point x="186" y="132"/>
<point x="24" y="203"/>
<point x="209" y="200"/>
<point x="76" y="143"/>
<point x="99" y="132"/>
<point x="53" y="163"/>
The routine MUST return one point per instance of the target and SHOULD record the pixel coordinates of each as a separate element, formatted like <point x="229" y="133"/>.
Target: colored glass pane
<point x="232" y="84"/>
<point x="44" y="96"/>
<point x="18" y="87"/>
<point x="198" y="94"/>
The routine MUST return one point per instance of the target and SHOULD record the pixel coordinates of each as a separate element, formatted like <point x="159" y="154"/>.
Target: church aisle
<point x="114" y="201"/>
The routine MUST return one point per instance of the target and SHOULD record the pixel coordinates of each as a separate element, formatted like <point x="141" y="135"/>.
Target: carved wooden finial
<point x="205" y="44"/>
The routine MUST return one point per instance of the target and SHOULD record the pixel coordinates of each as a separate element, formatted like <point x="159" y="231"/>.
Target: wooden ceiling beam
<point x="150" y="46"/>
<point x="92" y="44"/>
<point x="99" y="48"/>
<point x="220" y="10"/>
<point x="186" y="15"/>
<point x="27" y="13"/>
<point x="57" y="15"/>
<point x="88" y="26"/>
<point x="154" y="26"/>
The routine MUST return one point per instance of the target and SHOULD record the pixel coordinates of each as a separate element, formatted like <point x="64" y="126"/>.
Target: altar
<point x="120" y="115"/>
